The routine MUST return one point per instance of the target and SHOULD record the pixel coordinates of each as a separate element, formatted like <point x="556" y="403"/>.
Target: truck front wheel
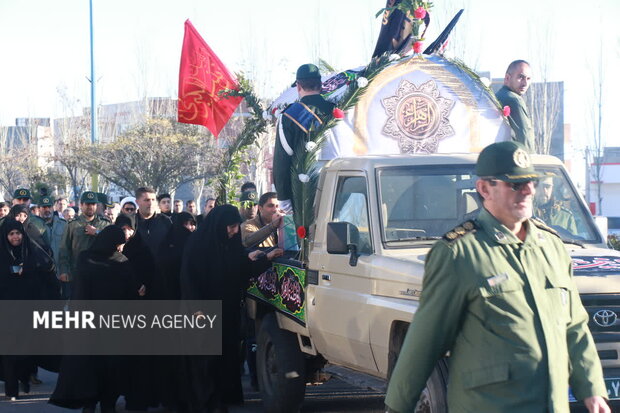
<point x="280" y="364"/>
<point x="434" y="398"/>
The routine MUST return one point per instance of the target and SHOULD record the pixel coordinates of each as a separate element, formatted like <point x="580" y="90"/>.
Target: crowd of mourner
<point x="145" y="247"/>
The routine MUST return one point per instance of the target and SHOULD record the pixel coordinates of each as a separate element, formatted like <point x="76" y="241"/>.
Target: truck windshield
<point x="424" y="202"/>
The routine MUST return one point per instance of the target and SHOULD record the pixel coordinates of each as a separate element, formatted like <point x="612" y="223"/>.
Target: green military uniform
<point x="37" y="224"/>
<point x="557" y="215"/>
<point x="520" y="120"/>
<point x="75" y="240"/>
<point x="34" y="225"/>
<point x="293" y="128"/>
<point x="506" y="310"/>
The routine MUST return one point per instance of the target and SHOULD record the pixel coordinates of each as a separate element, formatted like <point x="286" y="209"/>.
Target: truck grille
<point x="604" y="316"/>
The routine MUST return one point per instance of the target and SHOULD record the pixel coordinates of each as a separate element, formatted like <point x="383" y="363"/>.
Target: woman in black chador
<point x="36" y="233"/>
<point x="170" y="255"/>
<point x="217" y="267"/>
<point x="26" y="273"/>
<point x="103" y="273"/>
<point x="142" y="385"/>
<point x="166" y="373"/>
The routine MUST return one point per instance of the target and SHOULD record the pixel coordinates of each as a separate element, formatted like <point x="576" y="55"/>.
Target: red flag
<point x="201" y="77"/>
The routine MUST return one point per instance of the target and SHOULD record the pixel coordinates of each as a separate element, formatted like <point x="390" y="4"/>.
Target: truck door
<point x="338" y="309"/>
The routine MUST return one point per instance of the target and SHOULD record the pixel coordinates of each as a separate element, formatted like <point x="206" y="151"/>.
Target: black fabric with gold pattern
<point x="460" y="230"/>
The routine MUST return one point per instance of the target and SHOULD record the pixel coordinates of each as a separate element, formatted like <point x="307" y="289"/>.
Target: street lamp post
<point x="93" y="100"/>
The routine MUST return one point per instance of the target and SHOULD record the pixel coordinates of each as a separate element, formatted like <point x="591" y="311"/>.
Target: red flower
<point x="419" y="13"/>
<point x="417" y="47"/>
<point x="301" y="232"/>
<point x="338" y="114"/>
<point x="506" y="111"/>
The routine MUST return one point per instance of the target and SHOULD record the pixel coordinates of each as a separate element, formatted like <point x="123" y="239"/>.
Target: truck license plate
<point x="613" y="390"/>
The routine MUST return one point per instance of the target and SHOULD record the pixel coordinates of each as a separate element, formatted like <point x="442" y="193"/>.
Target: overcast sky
<point x="44" y="46"/>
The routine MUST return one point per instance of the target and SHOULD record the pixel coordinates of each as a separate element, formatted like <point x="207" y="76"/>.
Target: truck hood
<point x="596" y="270"/>
<point x="399" y="272"/>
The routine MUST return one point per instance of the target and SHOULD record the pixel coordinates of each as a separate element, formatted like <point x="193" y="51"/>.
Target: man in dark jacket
<point x="165" y="204"/>
<point x="294" y="126"/>
<point x="153" y="227"/>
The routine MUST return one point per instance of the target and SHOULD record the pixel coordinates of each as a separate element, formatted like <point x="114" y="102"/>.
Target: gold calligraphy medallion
<point x="418" y="117"/>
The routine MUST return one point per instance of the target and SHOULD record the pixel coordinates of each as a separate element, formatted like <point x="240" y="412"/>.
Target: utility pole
<point x="93" y="101"/>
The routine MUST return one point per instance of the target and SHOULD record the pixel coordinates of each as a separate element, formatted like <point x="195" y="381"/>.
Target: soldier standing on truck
<point x="498" y="294"/>
<point x="516" y="82"/>
<point x="294" y="125"/>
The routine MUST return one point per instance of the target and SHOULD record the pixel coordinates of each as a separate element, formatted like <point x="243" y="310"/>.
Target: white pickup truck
<point x="376" y="219"/>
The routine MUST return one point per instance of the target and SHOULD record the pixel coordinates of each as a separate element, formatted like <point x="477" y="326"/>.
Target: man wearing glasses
<point x="129" y="205"/>
<point x="498" y="295"/>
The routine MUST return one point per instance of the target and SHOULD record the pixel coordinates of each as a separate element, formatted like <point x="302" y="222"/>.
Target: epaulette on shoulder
<point x="541" y="225"/>
<point x="460" y="230"/>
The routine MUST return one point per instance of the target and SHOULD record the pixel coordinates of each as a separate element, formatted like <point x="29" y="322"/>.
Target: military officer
<point x="551" y="211"/>
<point x="516" y="82"/>
<point x="56" y="227"/>
<point x="78" y="236"/>
<point x="293" y="128"/>
<point x="249" y="205"/>
<point x="498" y="295"/>
<point x="22" y="196"/>
<point x="34" y="225"/>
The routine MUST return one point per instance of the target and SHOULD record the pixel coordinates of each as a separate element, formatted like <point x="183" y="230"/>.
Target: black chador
<point x="216" y="267"/>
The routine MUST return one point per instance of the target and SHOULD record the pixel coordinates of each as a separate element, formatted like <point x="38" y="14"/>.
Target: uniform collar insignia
<point x="495" y="230"/>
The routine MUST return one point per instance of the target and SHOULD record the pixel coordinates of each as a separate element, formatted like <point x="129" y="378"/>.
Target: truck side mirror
<point x="343" y="238"/>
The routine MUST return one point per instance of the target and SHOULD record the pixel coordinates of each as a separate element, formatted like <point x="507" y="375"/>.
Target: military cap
<point x="22" y="193"/>
<point x="89" y="197"/>
<point x="249" y="196"/>
<point x="307" y="71"/>
<point x="507" y="161"/>
<point x="103" y="198"/>
<point x="46" y="201"/>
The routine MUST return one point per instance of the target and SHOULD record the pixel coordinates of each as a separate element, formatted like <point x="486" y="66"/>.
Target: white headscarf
<point x="129" y="199"/>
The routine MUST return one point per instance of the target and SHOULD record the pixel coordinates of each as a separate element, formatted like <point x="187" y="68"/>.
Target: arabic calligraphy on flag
<point x="202" y="76"/>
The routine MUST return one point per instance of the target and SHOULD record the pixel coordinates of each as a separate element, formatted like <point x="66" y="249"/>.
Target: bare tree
<point x="596" y="146"/>
<point x="545" y="98"/>
<point x="72" y="143"/>
<point x="160" y="153"/>
<point x="11" y="176"/>
<point x="70" y="156"/>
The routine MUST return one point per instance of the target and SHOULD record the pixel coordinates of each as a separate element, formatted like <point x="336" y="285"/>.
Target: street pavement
<point x="334" y="396"/>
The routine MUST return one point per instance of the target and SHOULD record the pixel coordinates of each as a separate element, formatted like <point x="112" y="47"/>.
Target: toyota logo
<point x="605" y="318"/>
